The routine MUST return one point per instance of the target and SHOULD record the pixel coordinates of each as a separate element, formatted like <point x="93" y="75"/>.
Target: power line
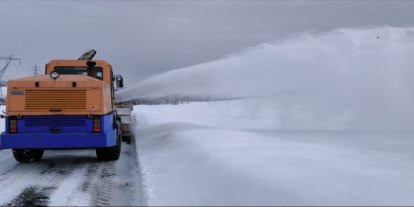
<point x="3" y="70"/>
<point x="8" y="60"/>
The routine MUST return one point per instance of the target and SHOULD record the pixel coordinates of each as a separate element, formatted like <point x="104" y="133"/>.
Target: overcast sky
<point x="143" y="38"/>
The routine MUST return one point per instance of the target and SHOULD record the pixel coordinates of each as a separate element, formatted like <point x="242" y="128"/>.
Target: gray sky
<point x="143" y="38"/>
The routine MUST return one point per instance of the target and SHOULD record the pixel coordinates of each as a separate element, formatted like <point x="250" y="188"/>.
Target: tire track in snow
<point x="71" y="178"/>
<point x="114" y="183"/>
<point x="96" y="183"/>
<point x="104" y="187"/>
<point x="32" y="196"/>
<point x="13" y="176"/>
<point x="73" y="190"/>
<point x="8" y="164"/>
<point x="37" y="178"/>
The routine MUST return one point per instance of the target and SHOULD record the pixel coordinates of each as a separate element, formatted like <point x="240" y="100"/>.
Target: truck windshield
<point x="95" y="72"/>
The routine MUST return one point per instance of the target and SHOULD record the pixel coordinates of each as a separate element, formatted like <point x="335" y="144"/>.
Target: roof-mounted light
<point x="54" y="75"/>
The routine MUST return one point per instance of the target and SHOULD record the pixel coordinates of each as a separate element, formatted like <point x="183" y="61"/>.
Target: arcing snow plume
<point x="364" y="75"/>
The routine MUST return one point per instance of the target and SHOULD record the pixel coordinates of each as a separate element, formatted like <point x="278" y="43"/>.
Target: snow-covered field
<point x="221" y="153"/>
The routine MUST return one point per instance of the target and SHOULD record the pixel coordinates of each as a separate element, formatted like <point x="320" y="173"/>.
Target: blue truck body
<point x="59" y="132"/>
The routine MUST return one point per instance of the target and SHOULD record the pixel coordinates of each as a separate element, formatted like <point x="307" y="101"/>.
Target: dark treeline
<point x="172" y="100"/>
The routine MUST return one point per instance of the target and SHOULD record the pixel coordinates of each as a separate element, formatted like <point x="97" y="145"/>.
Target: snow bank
<point x="364" y="73"/>
<point x="215" y="154"/>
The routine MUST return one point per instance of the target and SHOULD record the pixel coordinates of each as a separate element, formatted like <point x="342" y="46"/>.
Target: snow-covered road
<point x="71" y="178"/>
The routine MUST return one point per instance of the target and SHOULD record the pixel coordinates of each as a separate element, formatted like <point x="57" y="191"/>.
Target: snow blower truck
<point x="70" y="107"/>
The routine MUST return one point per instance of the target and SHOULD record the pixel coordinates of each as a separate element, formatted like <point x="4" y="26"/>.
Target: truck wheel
<point x="110" y="153"/>
<point x="26" y="155"/>
<point x="126" y="138"/>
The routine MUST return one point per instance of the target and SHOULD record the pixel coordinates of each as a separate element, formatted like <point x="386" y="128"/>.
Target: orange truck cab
<point x="70" y="107"/>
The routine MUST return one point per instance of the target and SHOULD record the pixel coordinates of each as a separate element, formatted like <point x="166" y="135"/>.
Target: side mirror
<point x="119" y="81"/>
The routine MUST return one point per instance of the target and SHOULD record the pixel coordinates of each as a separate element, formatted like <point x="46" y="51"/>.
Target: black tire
<point x="110" y="153"/>
<point x="26" y="155"/>
<point x="126" y="138"/>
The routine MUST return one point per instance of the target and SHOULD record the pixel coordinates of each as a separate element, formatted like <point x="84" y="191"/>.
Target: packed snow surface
<point x="233" y="153"/>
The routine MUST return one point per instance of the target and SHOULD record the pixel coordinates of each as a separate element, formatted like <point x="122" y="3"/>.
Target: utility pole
<point x="35" y="70"/>
<point x="2" y="71"/>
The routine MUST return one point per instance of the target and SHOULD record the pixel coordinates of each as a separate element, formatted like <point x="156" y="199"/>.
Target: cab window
<point x="96" y="72"/>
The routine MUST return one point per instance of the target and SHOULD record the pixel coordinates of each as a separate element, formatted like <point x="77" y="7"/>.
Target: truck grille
<point x="55" y="100"/>
<point x="54" y="121"/>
